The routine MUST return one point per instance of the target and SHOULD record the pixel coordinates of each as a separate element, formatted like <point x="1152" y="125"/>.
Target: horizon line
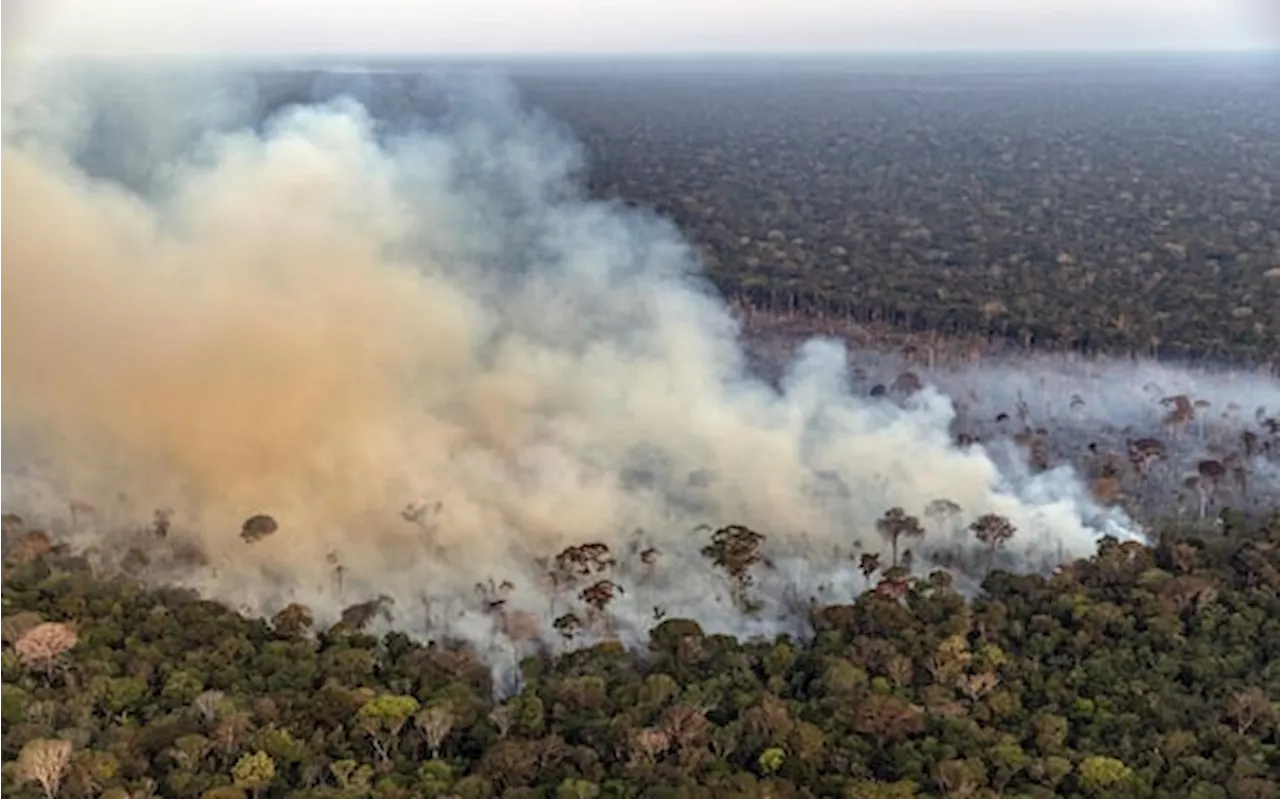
<point x="632" y="55"/>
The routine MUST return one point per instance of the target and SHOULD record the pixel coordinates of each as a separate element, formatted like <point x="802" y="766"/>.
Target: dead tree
<point x="41" y="648"/>
<point x="45" y="761"/>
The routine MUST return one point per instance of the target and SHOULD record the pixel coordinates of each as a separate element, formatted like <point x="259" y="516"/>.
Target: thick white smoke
<point x="317" y="321"/>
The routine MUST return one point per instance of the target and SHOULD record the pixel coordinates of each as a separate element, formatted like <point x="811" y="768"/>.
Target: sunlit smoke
<point x="434" y="361"/>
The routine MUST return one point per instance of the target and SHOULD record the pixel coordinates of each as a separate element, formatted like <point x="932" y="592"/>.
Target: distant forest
<point x="1088" y="212"/>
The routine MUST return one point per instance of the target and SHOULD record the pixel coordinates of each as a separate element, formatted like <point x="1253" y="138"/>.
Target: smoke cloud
<point x="326" y="320"/>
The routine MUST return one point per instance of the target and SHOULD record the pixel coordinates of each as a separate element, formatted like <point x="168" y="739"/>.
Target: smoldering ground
<point x="1145" y="433"/>
<point x="434" y="362"/>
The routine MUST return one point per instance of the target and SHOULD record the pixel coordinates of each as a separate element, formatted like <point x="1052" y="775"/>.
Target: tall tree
<point x="735" y="549"/>
<point x="994" y="531"/>
<point x="941" y="511"/>
<point x="894" y="525"/>
<point x="382" y="719"/>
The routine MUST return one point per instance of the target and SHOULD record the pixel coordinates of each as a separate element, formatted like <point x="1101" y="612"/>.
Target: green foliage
<point x="13" y="704"/>
<point x="1100" y="774"/>
<point x="771" y="760"/>
<point x="656" y="692"/>
<point x="841" y="677"/>
<point x="181" y="688"/>
<point x="435" y="777"/>
<point x="253" y="771"/>
<point x="1099" y="681"/>
<point x="383" y="718"/>
<point x="577" y="789"/>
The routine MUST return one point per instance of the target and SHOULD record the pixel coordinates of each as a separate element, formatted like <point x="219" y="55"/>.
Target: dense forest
<point x="933" y="220"/>
<point x="1125" y="210"/>
<point x="1143" y="671"/>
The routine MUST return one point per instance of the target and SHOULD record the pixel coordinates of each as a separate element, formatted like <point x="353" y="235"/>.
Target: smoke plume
<point x="433" y="361"/>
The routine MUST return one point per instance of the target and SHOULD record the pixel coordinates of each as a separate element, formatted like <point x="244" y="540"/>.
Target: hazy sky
<point x="633" y="26"/>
